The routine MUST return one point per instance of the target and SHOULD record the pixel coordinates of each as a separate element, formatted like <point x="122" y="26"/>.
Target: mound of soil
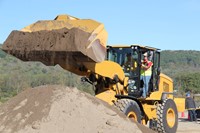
<point x="59" y="109"/>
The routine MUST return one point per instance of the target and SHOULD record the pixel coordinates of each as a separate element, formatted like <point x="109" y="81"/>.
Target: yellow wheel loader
<point x="79" y="46"/>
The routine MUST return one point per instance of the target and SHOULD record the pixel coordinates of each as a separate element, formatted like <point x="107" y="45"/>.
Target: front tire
<point x="167" y="117"/>
<point x="130" y="108"/>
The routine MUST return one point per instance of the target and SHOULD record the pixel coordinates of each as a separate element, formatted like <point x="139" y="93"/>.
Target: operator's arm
<point x="147" y="66"/>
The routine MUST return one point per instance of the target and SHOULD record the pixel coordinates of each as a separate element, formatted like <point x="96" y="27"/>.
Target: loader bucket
<point x="66" y="40"/>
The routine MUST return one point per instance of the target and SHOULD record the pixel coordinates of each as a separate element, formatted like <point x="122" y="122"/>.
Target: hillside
<point x="17" y="76"/>
<point x="183" y="67"/>
<point x="173" y="62"/>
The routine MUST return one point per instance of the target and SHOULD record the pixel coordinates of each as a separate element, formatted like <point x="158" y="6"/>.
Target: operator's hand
<point x="143" y="66"/>
<point x="140" y="64"/>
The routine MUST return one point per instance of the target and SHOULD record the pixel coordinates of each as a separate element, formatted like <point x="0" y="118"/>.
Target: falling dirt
<point x="59" y="109"/>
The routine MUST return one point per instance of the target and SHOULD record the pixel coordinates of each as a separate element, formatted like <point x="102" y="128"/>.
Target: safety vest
<point x="147" y="72"/>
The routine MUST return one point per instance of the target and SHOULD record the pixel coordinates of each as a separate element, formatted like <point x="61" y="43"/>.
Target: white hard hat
<point x="145" y="54"/>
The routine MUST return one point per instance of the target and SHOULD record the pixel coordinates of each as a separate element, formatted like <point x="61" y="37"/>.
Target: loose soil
<point x="59" y="109"/>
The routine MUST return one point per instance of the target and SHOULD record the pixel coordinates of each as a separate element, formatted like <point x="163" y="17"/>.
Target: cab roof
<point x="133" y="45"/>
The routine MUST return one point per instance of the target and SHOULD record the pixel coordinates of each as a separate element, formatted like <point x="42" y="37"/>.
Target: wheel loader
<point x="79" y="46"/>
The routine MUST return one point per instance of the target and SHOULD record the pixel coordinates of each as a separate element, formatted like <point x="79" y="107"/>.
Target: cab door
<point x="155" y="71"/>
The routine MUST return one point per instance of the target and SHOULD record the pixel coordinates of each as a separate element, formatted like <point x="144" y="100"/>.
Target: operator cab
<point x="130" y="59"/>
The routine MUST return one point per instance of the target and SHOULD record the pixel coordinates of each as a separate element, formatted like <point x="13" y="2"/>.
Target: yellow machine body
<point x="180" y="103"/>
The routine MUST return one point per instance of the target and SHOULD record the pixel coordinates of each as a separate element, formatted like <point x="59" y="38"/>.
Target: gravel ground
<point x="185" y="126"/>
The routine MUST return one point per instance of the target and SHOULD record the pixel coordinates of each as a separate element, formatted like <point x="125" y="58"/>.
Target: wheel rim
<point x="170" y="117"/>
<point x="132" y="115"/>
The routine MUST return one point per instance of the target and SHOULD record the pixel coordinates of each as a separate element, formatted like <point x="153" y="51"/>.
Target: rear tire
<point x="167" y="117"/>
<point x="130" y="108"/>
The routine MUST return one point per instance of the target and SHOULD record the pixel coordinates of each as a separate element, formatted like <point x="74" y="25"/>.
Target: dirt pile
<point x="58" y="109"/>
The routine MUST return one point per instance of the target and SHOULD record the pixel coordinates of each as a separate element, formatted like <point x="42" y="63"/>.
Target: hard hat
<point x="145" y="54"/>
<point x="187" y="94"/>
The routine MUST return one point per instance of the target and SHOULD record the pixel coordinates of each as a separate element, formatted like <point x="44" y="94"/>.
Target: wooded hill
<point x="182" y="66"/>
<point x="16" y="75"/>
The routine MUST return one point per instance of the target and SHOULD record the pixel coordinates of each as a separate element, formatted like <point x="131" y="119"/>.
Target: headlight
<point x="130" y="81"/>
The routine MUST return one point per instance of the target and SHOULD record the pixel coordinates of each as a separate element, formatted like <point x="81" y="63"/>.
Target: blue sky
<point x="164" y="24"/>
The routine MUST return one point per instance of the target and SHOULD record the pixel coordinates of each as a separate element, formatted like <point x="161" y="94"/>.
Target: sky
<point x="164" y="24"/>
